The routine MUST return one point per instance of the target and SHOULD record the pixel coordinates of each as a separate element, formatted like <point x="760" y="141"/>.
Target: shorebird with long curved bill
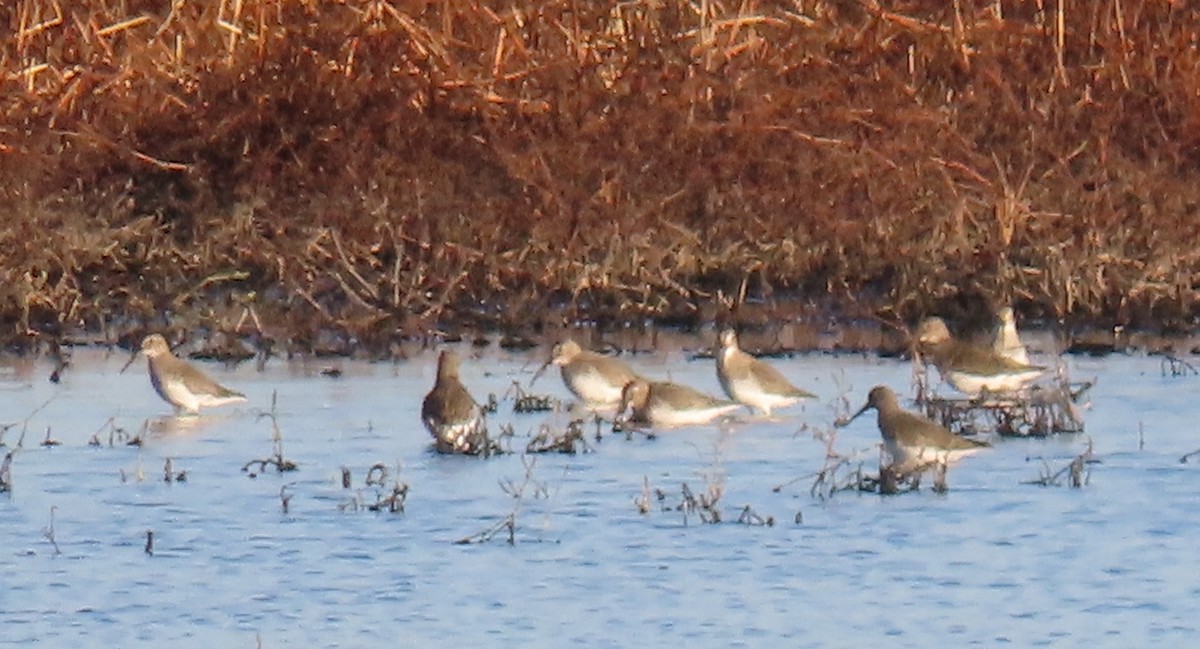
<point x="449" y="412"/>
<point x="972" y="369"/>
<point x="1006" y="341"/>
<point x="186" y="388"/>
<point x="914" y="442"/>
<point x="595" y="379"/>
<point x="667" y="405"/>
<point x="751" y="381"/>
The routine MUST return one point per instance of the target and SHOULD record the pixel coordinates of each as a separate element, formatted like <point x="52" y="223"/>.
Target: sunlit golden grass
<point x="387" y="168"/>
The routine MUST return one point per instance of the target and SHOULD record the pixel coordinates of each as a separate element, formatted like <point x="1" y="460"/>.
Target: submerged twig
<point x="6" y="482"/>
<point x="48" y="531"/>
<point x="1176" y="367"/>
<point x="517" y="492"/>
<point x="277" y="460"/>
<point x="1039" y="411"/>
<point x="751" y="517"/>
<point x="24" y="421"/>
<point x="704" y="505"/>
<point x="526" y="403"/>
<point x="285" y="498"/>
<point x="507" y="523"/>
<point x="1076" y="471"/>
<point x="569" y="441"/>
<point x="170" y="475"/>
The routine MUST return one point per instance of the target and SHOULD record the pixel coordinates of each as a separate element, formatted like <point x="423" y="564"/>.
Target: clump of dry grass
<point x="390" y="499"/>
<point x="570" y="440"/>
<point x="375" y="168"/>
<point x="1039" y="410"/>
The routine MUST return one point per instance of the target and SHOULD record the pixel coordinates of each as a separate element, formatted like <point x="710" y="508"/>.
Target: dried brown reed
<point x="391" y="499"/>
<point x="6" y="479"/>
<point x="1076" y="472"/>
<point x="525" y="402"/>
<point x="170" y="475"/>
<point x="1039" y="410"/>
<point x="276" y="459"/>
<point x="49" y="533"/>
<point x="116" y="434"/>
<point x="383" y="168"/>
<point x="1175" y="367"/>
<point x="529" y="486"/>
<point x="568" y="441"/>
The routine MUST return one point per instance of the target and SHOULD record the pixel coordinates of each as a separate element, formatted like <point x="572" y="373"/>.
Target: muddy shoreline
<point x="776" y="338"/>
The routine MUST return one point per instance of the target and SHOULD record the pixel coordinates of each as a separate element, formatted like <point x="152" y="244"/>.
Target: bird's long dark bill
<point x="540" y="371"/>
<point x="132" y="358"/>
<point x="861" y="410"/>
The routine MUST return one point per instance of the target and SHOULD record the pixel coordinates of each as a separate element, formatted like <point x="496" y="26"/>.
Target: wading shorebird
<point x="663" y="404"/>
<point x="449" y="413"/>
<point x="186" y="388"/>
<point x="913" y="441"/>
<point x="751" y="381"/>
<point x="1007" y="342"/>
<point x="595" y="379"/>
<point x="972" y="369"/>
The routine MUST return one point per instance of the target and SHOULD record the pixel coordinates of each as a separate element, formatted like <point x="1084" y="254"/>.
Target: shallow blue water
<point x="994" y="561"/>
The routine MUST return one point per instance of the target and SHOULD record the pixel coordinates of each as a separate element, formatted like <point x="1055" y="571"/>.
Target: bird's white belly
<point x="752" y="394"/>
<point x="594" y="388"/>
<point x="178" y="395"/>
<point x="664" y="415"/>
<point x="973" y="384"/>
<point x="913" y="456"/>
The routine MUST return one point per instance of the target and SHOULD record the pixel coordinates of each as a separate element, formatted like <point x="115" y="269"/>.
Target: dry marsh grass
<point x="390" y="168"/>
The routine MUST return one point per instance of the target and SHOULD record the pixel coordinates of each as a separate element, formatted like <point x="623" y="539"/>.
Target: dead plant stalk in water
<point x="277" y="460"/>
<point x="517" y="491"/>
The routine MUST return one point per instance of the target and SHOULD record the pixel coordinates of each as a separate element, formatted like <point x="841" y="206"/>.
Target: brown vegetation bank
<point x="378" y="169"/>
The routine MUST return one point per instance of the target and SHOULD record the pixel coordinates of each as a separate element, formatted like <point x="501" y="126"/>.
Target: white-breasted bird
<point x="972" y="369"/>
<point x="595" y="379"/>
<point x="664" y="404"/>
<point x="751" y="381"/>
<point x="186" y="388"/>
<point x="1006" y="341"/>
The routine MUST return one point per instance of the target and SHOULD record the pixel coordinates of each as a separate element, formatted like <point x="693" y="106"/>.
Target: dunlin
<point x="751" y="381"/>
<point x="186" y="388"/>
<point x="972" y="369"/>
<point x="913" y="441"/>
<point x="594" y="378"/>
<point x="665" y="404"/>
<point x="450" y="414"/>
<point x="1007" y="342"/>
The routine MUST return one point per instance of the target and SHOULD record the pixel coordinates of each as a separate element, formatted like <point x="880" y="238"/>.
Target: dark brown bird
<point x="449" y="413"/>
<point x="912" y="440"/>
